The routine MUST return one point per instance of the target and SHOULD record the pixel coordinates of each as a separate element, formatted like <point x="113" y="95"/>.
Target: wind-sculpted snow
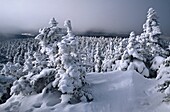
<point x="112" y="91"/>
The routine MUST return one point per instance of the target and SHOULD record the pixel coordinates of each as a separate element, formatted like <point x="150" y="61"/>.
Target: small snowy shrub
<point x="21" y="86"/>
<point x="5" y="84"/>
<point x="43" y="79"/>
<point x="163" y="76"/>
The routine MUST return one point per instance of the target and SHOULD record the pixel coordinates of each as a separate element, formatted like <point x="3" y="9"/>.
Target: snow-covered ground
<point x="116" y="91"/>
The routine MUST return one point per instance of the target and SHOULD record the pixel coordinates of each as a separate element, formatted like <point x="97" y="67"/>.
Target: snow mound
<point x="116" y="91"/>
<point x="156" y="62"/>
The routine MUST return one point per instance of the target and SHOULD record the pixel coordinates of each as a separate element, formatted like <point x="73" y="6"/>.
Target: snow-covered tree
<point x="21" y="86"/>
<point x="48" y="39"/>
<point x="164" y="70"/>
<point x="134" y="48"/>
<point x="108" y="61"/>
<point x="98" y="59"/>
<point x="132" y="58"/>
<point x="151" y="36"/>
<point x="28" y="64"/>
<point x="68" y="74"/>
<point x="71" y="77"/>
<point x="151" y="27"/>
<point x="39" y="65"/>
<point x="163" y="75"/>
<point x="11" y="69"/>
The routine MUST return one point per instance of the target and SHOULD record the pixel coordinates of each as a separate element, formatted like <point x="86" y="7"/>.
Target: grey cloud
<point x="108" y="15"/>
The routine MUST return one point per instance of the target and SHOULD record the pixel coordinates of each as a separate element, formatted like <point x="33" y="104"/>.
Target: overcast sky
<point x="119" y="16"/>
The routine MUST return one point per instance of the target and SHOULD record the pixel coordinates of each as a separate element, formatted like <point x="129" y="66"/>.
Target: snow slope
<point x="116" y="91"/>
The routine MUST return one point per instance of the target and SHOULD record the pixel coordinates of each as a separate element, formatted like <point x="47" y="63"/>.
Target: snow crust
<point x="118" y="91"/>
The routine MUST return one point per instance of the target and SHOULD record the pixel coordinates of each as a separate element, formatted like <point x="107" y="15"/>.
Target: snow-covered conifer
<point x="48" y="39"/>
<point x="98" y="59"/>
<point x="108" y="58"/>
<point x="163" y="75"/>
<point x="21" y="86"/>
<point x="151" y="27"/>
<point x="71" y="77"/>
<point x="28" y="64"/>
<point x="53" y="22"/>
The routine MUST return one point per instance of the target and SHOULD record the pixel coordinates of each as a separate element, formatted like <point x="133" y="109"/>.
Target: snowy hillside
<point x="113" y="92"/>
<point x="58" y="71"/>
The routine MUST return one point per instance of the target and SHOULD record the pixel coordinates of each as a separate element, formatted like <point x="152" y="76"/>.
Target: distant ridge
<point x="87" y="33"/>
<point x="16" y="36"/>
<point x="99" y="34"/>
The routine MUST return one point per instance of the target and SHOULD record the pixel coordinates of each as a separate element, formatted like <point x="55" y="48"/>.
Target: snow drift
<point x="115" y="91"/>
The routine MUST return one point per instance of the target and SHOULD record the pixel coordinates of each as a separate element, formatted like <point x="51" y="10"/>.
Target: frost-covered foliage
<point x="21" y="86"/>
<point x="134" y="48"/>
<point x="108" y="59"/>
<point x="28" y="64"/>
<point x="151" y="27"/>
<point x="53" y="69"/>
<point x="164" y="77"/>
<point x="31" y="83"/>
<point x="38" y="67"/>
<point x="70" y="79"/>
<point x="56" y="60"/>
<point x="143" y="48"/>
<point x="99" y="54"/>
<point x="15" y="49"/>
<point x="164" y="70"/>
<point x="5" y="84"/>
<point x="150" y="38"/>
<point x="98" y="59"/>
<point x="18" y="65"/>
<point x="48" y="39"/>
<point x="11" y="69"/>
<point x="132" y="57"/>
<point x="43" y="79"/>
